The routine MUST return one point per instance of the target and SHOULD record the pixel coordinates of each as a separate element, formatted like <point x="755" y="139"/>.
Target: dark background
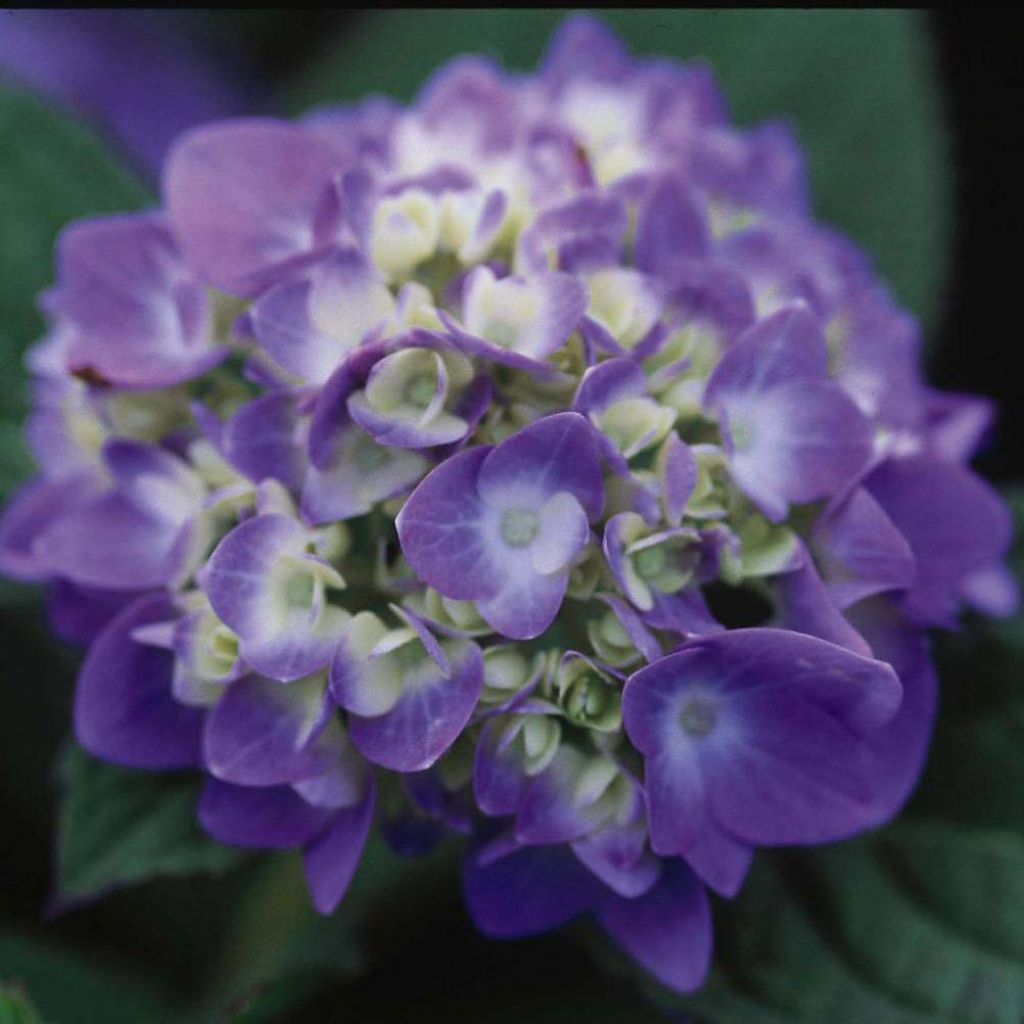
<point x="178" y="929"/>
<point x="980" y="337"/>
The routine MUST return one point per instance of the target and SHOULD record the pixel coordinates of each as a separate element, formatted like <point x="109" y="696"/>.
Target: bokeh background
<point x="909" y="120"/>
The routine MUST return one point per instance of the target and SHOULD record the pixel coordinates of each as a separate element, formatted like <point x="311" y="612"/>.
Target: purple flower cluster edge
<point x="398" y="472"/>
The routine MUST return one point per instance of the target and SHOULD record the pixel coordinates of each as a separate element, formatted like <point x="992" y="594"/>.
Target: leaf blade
<point x="119" y="827"/>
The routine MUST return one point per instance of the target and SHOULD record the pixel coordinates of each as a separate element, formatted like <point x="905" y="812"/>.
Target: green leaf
<point x="976" y="773"/>
<point x="804" y="944"/>
<point x="53" y="171"/>
<point x="269" y="1001"/>
<point x="73" y="989"/>
<point x="910" y="910"/>
<point x="860" y="86"/>
<point x="919" y="924"/>
<point x="282" y="950"/>
<point x="777" y="965"/>
<point x="119" y="827"/>
<point x="16" y="1007"/>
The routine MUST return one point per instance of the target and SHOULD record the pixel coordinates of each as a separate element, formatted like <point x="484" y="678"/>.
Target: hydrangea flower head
<point x="445" y="450"/>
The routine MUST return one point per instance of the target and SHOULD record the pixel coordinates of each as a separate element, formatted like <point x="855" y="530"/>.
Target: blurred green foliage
<point x="119" y="827"/>
<point x="69" y="989"/>
<point x="918" y="924"/>
<point x="16" y="1007"/>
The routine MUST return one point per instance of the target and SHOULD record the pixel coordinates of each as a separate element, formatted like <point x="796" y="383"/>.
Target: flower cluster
<point x="526" y="463"/>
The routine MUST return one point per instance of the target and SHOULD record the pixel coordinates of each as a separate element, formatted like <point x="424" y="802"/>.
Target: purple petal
<point x="236" y="577"/>
<point x="676" y="796"/>
<point x="243" y="581"/>
<point x="528" y="891"/>
<point x="451" y="807"/>
<point x="137" y="536"/>
<point x="955" y="524"/>
<point x="401" y="433"/>
<point x="330" y="412"/>
<point x="861" y="551"/>
<point x="720" y="860"/>
<point x="467" y="99"/>
<point x="958" y="425"/>
<point x="714" y="294"/>
<point x="608" y="854"/>
<point x="242" y="197"/>
<point x="679" y="477"/>
<point x="764" y="730"/>
<point x="876" y="356"/>
<point x="124" y="711"/>
<point x="685" y="613"/>
<point x="261" y="440"/>
<point x="608" y="382"/>
<point x="550" y="810"/>
<point x="37" y="504"/>
<point x="761" y="169"/>
<point x="79" y="614"/>
<point x="526" y="604"/>
<point x="492" y="313"/>
<point x="614" y="544"/>
<point x="308" y="325"/>
<point x="785" y="260"/>
<point x="583" y="233"/>
<point x="343" y="782"/>
<point x="668" y="930"/>
<point x="271" y="817"/>
<point x="61" y="406"/>
<point x="785" y="347"/>
<point x="356" y="192"/>
<point x="139" y="321"/>
<point x="794" y="776"/>
<point x="584" y="47"/>
<point x="475" y="346"/>
<point x="669" y="228"/>
<point x="499" y="778"/>
<point x="796" y="443"/>
<point x="439" y="529"/>
<point x="641" y="637"/>
<point x="806" y="606"/>
<point x="363" y="128"/>
<point x="331" y="858"/>
<point x="430" y="643"/>
<point x="597" y="338"/>
<point x="451" y="528"/>
<point x="897" y="752"/>
<point x="993" y="590"/>
<point x="261" y="733"/>
<point x="427" y="718"/>
<point x="557" y="453"/>
<point x="360" y="474"/>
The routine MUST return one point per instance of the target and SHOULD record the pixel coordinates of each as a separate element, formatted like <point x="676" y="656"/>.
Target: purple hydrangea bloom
<point x="502" y="526"/>
<point x="519" y="377"/>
